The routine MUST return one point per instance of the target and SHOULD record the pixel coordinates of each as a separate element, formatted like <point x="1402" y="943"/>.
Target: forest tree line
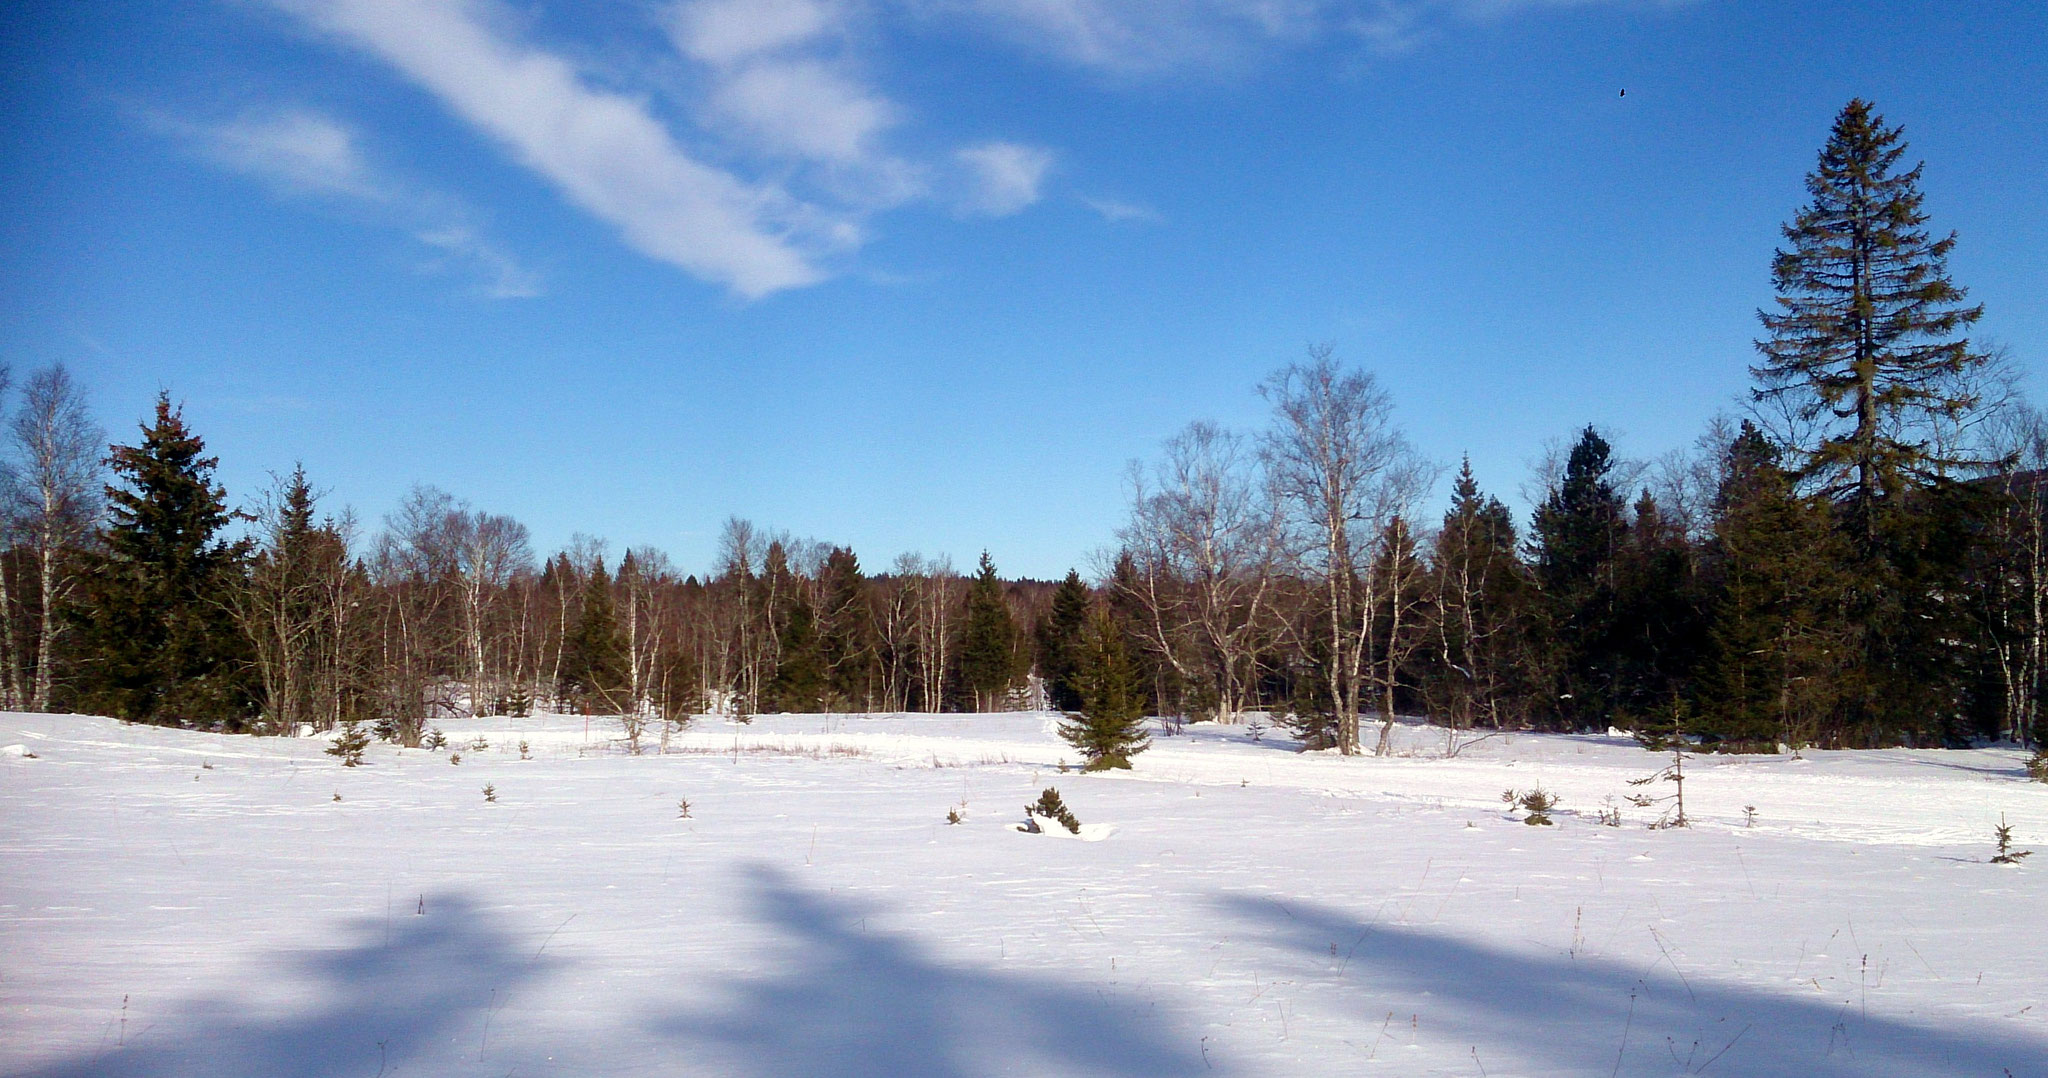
<point x="1856" y="561"/>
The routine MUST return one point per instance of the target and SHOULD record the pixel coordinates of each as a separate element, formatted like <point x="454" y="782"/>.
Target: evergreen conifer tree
<point x="1059" y="642"/>
<point x="1776" y="641"/>
<point x="1578" y="534"/>
<point x="156" y="636"/>
<point x="595" y="670"/>
<point x="1659" y="626"/>
<point x="846" y="638"/>
<point x="1867" y="349"/>
<point x="1110" y="728"/>
<point x="1866" y="339"/>
<point x="1482" y="590"/>
<point x="798" y="684"/>
<point x="988" y="646"/>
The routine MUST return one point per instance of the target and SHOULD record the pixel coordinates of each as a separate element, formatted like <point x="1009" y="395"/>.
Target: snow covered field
<point x="184" y="904"/>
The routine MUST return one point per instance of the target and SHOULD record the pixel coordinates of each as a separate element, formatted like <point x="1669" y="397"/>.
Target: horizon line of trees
<point x="1859" y="562"/>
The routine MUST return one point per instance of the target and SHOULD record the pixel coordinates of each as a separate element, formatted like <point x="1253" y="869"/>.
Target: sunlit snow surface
<point x="1245" y="910"/>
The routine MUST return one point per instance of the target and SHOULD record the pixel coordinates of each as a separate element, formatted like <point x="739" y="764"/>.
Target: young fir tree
<point x="1110" y="728"/>
<point x="1577" y="538"/>
<point x="846" y="639"/>
<point x="595" y="670"/>
<point x="156" y="637"/>
<point x="1659" y="628"/>
<point x="1776" y="639"/>
<point x="1867" y="348"/>
<point x="988" y="645"/>
<point x="1480" y="629"/>
<point x="1059" y="642"/>
<point x="798" y="684"/>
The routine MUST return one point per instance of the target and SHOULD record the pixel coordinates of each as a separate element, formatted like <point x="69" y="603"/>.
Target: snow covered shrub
<point x="1050" y="807"/>
<point x="953" y="816"/>
<point x="349" y="744"/>
<point x="2006" y="855"/>
<point x="1538" y="803"/>
<point x="522" y="751"/>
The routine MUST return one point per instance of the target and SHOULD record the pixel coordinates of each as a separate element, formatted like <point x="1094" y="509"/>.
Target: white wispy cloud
<point x="1117" y="212"/>
<point x="783" y="85"/>
<point x="303" y="153"/>
<point x="1160" y="37"/>
<point x="501" y="277"/>
<point x="605" y="151"/>
<point x="1005" y="177"/>
<point x="1142" y="36"/>
<point x="295" y="150"/>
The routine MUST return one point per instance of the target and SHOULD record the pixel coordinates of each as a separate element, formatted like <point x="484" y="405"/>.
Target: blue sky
<point x="925" y="274"/>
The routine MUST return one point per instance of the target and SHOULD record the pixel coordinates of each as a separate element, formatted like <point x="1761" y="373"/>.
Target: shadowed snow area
<point x="174" y="903"/>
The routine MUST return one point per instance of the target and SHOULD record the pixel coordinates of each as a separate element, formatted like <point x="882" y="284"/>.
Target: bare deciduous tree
<point x="1205" y="537"/>
<point x="1342" y="472"/>
<point x="56" y="488"/>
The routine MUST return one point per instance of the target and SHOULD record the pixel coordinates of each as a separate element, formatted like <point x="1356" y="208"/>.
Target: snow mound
<point x="1046" y="825"/>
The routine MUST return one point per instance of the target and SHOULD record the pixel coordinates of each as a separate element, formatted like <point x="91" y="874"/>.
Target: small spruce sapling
<point x="454" y="757"/>
<point x="490" y="793"/>
<point x="683" y="809"/>
<point x="522" y="751"/>
<point x="1538" y="803"/>
<point x="2006" y="854"/>
<point x="1674" y="773"/>
<point x="348" y="745"/>
<point x="2037" y="765"/>
<point x="479" y="744"/>
<point x="1050" y="807"/>
<point x="435" y="739"/>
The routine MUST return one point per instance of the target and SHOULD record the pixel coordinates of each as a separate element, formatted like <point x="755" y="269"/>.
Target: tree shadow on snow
<point x="843" y="1000"/>
<point x="396" y="991"/>
<point x="1587" y="1016"/>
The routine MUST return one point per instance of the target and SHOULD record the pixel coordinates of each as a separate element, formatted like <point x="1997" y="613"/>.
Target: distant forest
<point x="1856" y="560"/>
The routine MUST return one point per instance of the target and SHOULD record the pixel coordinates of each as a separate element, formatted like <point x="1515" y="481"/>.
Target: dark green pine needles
<point x="1110" y="727"/>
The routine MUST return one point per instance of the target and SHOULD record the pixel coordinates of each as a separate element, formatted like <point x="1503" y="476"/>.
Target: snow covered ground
<point x="184" y="904"/>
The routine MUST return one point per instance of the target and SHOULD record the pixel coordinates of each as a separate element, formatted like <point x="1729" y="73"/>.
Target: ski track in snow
<point x="1246" y="910"/>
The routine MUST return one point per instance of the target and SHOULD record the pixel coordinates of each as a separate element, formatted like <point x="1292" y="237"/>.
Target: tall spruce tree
<point x="596" y="670"/>
<point x="988" y="645"/>
<point x="1659" y="622"/>
<point x="1480" y="631"/>
<point x="1059" y="642"/>
<point x="156" y="636"/>
<point x="1578" y="535"/>
<point x="1867" y="347"/>
<point x="1776" y="640"/>
<point x="798" y="684"/>
<point x="1866" y="341"/>
<point x="847" y="648"/>
<point x="1110" y="728"/>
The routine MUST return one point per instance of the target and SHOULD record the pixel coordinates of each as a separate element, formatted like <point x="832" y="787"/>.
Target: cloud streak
<point x="603" y="150"/>
<point x="301" y="153"/>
